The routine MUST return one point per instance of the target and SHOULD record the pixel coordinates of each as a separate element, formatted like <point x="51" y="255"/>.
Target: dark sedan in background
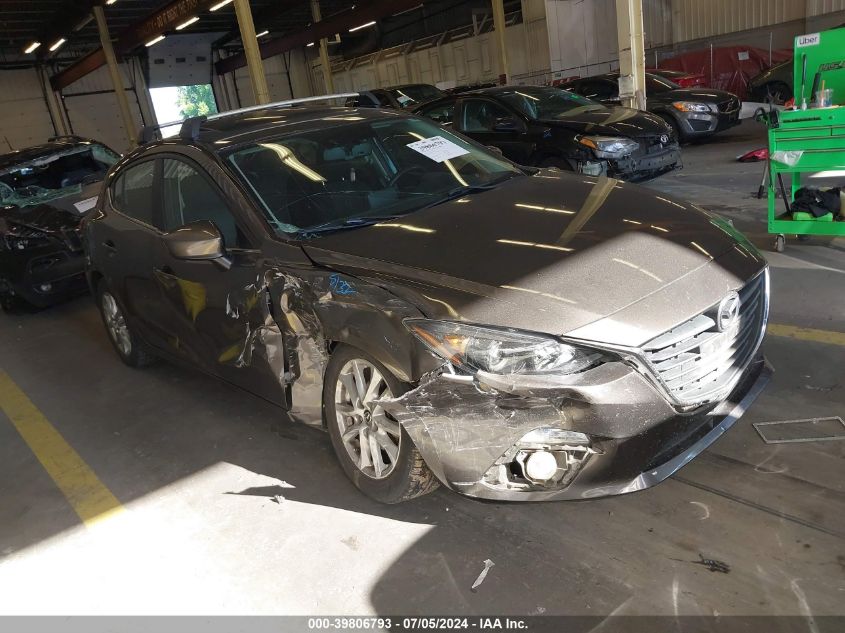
<point x="693" y="113"/>
<point x="398" y="97"/>
<point x="680" y="77"/>
<point x="548" y="127"/>
<point x="44" y="191"/>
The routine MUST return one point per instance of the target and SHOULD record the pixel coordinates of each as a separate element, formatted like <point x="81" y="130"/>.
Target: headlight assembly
<point x="609" y="146"/>
<point x="502" y="352"/>
<point x="692" y="106"/>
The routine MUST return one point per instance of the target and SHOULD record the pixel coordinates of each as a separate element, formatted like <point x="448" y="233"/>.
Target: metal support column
<point x="499" y="27"/>
<point x="114" y="71"/>
<point x="629" y="30"/>
<point x="324" y="50"/>
<point x="56" y="114"/>
<point x="252" y="52"/>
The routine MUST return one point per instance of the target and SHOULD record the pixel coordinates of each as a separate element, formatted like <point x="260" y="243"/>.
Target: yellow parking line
<point x="84" y="491"/>
<point x="807" y="334"/>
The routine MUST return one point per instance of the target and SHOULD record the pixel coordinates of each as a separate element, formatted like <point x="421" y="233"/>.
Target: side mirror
<point x="198" y="241"/>
<point x="495" y="150"/>
<point x="507" y="124"/>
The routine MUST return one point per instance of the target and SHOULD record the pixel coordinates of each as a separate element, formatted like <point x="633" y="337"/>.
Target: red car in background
<point x="680" y="77"/>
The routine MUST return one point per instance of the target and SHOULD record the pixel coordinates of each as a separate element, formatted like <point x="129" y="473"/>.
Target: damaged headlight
<point x="501" y="352"/>
<point x="609" y="146"/>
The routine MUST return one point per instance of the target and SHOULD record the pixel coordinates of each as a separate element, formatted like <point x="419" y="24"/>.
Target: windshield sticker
<point x="84" y="205"/>
<point x="438" y="148"/>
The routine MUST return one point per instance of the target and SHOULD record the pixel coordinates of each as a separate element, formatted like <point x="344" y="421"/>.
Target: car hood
<point x="612" y="122"/>
<point x="549" y="253"/>
<point x="703" y="95"/>
<point x="43" y="217"/>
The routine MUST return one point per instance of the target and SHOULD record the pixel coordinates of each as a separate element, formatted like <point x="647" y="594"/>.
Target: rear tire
<point x="777" y="93"/>
<point x="131" y="349"/>
<point x="377" y="455"/>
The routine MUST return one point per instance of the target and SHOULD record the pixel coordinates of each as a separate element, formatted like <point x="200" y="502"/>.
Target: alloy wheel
<point x="369" y="435"/>
<point x="116" y="324"/>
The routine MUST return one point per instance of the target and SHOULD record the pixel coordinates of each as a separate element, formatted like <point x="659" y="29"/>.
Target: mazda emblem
<point x="728" y="312"/>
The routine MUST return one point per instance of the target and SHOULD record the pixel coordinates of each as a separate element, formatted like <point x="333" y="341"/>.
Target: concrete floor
<point x="197" y="464"/>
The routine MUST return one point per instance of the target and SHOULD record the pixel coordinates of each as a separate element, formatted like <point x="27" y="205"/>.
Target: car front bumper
<point x="646" y="165"/>
<point x="45" y="276"/>
<point x="467" y="431"/>
<point x="697" y="124"/>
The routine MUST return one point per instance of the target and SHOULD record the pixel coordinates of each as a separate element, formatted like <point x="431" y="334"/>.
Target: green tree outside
<point x="196" y="100"/>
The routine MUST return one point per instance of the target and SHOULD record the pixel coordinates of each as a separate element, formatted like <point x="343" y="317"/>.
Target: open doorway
<point x="175" y="103"/>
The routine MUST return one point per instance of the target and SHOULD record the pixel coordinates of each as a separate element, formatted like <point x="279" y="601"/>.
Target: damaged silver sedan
<point x="447" y="316"/>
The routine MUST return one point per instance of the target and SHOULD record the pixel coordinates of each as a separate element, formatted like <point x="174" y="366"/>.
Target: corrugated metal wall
<point x="820" y="7"/>
<point x="695" y="19"/>
<point x="464" y="61"/>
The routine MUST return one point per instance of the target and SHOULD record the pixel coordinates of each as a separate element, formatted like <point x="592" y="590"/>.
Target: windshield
<point x="362" y="172"/>
<point x="408" y="96"/>
<point x="55" y="175"/>
<point x="547" y="103"/>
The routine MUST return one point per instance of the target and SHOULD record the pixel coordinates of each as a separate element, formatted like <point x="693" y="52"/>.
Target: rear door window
<point x="133" y="192"/>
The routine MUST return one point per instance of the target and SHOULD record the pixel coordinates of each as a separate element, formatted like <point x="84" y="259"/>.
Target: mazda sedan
<point x="448" y="316"/>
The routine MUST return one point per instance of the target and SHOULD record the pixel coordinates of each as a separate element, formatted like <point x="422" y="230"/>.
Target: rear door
<point x="121" y="244"/>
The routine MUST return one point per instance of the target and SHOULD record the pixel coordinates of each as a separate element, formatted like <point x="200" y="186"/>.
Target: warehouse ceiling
<point x="23" y="22"/>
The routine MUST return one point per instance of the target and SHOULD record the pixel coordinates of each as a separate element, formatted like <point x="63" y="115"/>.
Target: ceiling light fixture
<point x="187" y="23"/>
<point x="262" y="34"/>
<point x="110" y="1"/>
<point x="361" y="26"/>
<point x="32" y="47"/>
<point x="57" y="43"/>
<point x="220" y="5"/>
<point x="310" y="44"/>
<point x="154" y="41"/>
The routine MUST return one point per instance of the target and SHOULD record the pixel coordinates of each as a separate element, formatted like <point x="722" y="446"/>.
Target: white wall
<point x="277" y="79"/>
<point x="24" y="117"/>
<point x="97" y="115"/>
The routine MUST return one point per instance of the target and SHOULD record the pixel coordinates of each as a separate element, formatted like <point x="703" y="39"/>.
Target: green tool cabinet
<point x="818" y="133"/>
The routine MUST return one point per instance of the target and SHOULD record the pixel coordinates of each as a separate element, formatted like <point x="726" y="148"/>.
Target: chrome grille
<point x="696" y="363"/>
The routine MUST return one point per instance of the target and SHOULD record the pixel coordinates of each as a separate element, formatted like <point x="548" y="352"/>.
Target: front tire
<point x="375" y="452"/>
<point x="131" y="349"/>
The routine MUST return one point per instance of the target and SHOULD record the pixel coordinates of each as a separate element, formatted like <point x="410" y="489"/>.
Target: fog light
<point x="540" y="466"/>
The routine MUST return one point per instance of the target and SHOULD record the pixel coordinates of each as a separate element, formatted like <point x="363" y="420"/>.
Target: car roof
<point x="255" y="125"/>
<point x="495" y="90"/>
<point x="35" y="152"/>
